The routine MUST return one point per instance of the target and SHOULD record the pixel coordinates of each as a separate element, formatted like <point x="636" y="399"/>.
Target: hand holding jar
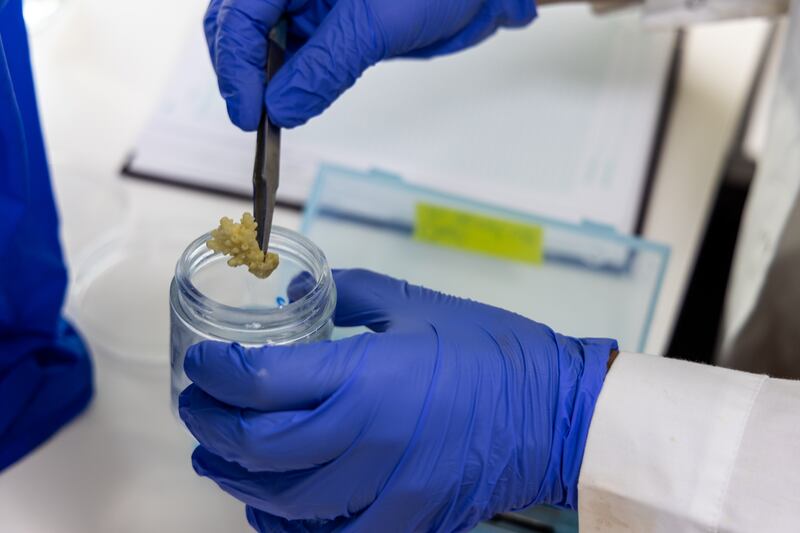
<point x="450" y="412"/>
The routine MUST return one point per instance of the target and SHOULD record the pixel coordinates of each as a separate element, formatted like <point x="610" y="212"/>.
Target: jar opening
<point x="297" y="295"/>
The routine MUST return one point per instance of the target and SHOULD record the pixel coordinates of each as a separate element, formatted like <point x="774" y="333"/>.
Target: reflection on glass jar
<point x="210" y="300"/>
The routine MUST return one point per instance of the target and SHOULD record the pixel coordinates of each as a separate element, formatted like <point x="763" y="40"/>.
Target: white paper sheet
<point x="557" y="119"/>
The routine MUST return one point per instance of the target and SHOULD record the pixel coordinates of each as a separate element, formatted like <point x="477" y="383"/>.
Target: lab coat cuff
<point x="662" y="444"/>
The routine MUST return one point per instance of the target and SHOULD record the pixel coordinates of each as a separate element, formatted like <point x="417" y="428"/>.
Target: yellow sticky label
<point x="478" y="233"/>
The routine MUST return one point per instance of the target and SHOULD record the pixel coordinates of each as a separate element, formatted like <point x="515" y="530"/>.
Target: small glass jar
<point x="210" y="300"/>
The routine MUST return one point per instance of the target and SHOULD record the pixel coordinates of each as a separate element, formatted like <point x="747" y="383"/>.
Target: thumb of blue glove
<point x="452" y="412"/>
<point x="331" y="43"/>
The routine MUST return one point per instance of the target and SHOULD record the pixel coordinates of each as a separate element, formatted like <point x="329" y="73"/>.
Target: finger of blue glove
<point x="270" y="442"/>
<point x="366" y="298"/>
<point x="245" y="486"/>
<point x="487" y="21"/>
<point x="481" y="27"/>
<point x="274" y="378"/>
<point x="298" y="495"/>
<point x="267" y="523"/>
<point x="344" y="45"/>
<point x="236" y="32"/>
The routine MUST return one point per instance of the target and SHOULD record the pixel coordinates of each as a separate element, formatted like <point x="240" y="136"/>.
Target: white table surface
<point x="100" y="64"/>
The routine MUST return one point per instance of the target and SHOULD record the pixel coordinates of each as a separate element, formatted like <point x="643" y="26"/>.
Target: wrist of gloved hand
<point x="583" y="364"/>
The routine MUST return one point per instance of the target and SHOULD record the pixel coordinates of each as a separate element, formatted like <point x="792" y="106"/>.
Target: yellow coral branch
<point x="239" y="242"/>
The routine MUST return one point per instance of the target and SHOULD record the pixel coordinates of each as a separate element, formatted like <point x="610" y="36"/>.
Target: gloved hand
<point x="452" y="412"/>
<point x="332" y="42"/>
<point x="45" y="372"/>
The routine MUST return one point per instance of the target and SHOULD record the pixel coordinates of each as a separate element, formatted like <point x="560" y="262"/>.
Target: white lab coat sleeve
<point x="671" y="13"/>
<point x="677" y="446"/>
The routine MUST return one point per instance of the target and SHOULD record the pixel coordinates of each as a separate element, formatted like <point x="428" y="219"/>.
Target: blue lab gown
<point x="45" y="372"/>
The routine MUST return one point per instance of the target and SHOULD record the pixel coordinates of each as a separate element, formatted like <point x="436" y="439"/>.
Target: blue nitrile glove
<point x="332" y="42"/>
<point x="452" y="412"/>
<point x="45" y="373"/>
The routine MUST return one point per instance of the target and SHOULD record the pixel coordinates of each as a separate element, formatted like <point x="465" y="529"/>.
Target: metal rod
<point x="266" y="169"/>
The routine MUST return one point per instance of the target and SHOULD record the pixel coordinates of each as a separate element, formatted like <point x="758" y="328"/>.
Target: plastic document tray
<point x="581" y="279"/>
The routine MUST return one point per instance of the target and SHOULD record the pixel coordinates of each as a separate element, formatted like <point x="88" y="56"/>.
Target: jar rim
<point x="218" y="314"/>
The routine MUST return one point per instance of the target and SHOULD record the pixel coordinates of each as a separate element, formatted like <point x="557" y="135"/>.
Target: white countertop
<point x="100" y="64"/>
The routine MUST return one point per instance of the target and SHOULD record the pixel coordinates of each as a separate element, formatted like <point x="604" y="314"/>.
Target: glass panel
<point x="591" y="282"/>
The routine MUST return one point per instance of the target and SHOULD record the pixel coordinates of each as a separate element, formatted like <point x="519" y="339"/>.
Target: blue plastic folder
<point x="581" y="279"/>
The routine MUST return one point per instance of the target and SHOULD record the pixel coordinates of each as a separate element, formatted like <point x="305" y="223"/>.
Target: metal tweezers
<point x="266" y="171"/>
